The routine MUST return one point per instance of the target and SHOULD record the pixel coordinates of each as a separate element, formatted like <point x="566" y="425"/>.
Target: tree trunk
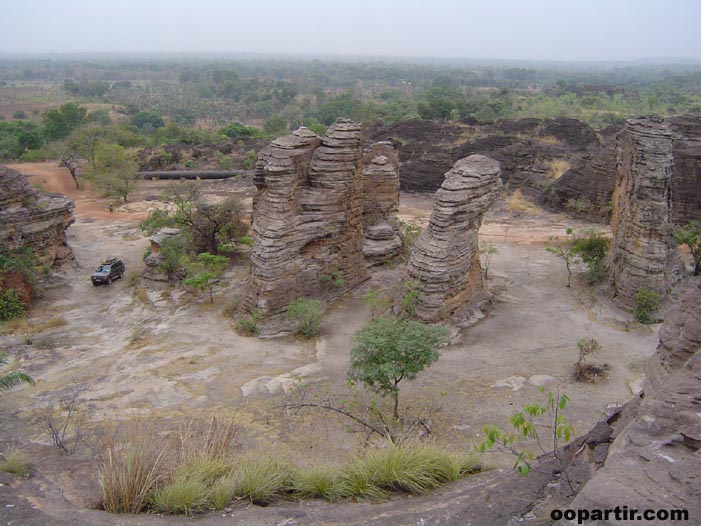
<point x="395" y="395"/>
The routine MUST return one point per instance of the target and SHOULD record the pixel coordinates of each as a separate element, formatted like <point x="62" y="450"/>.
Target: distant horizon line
<point x="337" y="56"/>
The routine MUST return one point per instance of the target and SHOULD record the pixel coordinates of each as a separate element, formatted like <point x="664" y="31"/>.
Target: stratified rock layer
<point x="382" y="243"/>
<point x="445" y="259"/>
<point x="655" y="460"/>
<point x="643" y="254"/>
<point x="34" y="219"/>
<point x="307" y="221"/>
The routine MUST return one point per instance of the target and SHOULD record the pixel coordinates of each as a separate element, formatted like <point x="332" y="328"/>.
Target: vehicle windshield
<point x="103" y="268"/>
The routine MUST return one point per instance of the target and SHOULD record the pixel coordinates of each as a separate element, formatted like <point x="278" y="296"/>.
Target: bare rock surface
<point x="382" y="243"/>
<point x="445" y="259"/>
<point x="644" y="254"/>
<point x="307" y="220"/>
<point x="655" y="460"/>
<point x="34" y="219"/>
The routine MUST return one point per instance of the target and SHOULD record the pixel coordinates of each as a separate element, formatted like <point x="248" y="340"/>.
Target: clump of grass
<point x="261" y="478"/>
<point x="319" y="482"/>
<point x="203" y="468"/>
<point x="53" y="323"/>
<point x="412" y="469"/>
<point x="183" y="495"/>
<point x="14" y="461"/>
<point x="518" y="203"/>
<point x="129" y="475"/>
<point x="221" y="493"/>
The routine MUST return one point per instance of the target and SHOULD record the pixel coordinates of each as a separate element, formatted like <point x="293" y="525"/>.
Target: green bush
<point x="11" y="306"/>
<point x="592" y="248"/>
<point x="307" y="313"/>
<point x="247" y="324"/>
<point x="646" y="304"/>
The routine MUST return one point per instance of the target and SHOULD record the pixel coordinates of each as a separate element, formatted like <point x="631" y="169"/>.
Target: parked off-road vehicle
<point x="109" y="270"/>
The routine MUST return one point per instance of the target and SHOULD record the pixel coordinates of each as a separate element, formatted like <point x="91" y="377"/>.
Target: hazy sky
<point x="516" y="29"/>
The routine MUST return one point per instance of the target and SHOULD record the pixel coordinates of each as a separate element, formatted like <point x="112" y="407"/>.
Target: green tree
<point x="114" y="170"/>
<point x="566" y="252"/>
<point x="390" y="350"/>
<point x="59" y="123"/>
<point x="206" y="226"/>
<point x="690" y="235"/>
<point x="592" y="248"/>
<point x="147" y="122"/>
<point x="207" y="272"/>
<point x="12" y="378"/>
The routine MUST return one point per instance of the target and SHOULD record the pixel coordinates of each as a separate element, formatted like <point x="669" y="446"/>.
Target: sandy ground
<point x="167" y="355"/>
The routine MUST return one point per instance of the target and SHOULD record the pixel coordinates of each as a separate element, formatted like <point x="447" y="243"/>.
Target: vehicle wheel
<point x="109" y="280"/>
<point x="94" y="284"/>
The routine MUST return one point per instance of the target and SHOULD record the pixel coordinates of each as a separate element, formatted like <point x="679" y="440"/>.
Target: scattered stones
<point x="444" y="262"/>
<point x="515" y="383"/>
<point x="643" y="251"/>
<point x="34" y="219"/>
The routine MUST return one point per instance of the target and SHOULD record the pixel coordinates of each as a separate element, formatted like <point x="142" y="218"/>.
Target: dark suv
<point x="110" y="269"/>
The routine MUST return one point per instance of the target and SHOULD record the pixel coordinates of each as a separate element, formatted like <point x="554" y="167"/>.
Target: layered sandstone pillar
<point x="643" y="252"/>
<point x="445" y="262"/>
<point x="307" y="221"/>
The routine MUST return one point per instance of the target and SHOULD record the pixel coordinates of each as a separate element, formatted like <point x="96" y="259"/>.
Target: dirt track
<point x="163" y="354"/>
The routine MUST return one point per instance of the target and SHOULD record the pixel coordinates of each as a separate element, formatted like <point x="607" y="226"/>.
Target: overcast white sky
<point x="502" y="29"/>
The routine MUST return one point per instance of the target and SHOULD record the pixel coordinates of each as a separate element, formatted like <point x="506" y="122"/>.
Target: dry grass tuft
<point x="557" y="167"/>
<point x="14" y="461"/>
<point x="517" y="203"/>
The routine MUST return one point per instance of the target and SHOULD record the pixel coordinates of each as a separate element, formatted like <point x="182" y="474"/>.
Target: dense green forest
<point x="46" y="104"/>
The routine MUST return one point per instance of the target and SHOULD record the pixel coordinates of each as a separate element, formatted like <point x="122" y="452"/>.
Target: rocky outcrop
<point x="655" y="459"/>
<point x="307" y="221"/>
<point x="643" y="253"/>
<point x="686" y="183"/>
<point x="445" y="259"/>
<point x="587" y="188"/>
<point x="382" y="243"/>
<point x="34" y="219"/>
<point x="154" y="260"/>
<point x="428" y="149"/>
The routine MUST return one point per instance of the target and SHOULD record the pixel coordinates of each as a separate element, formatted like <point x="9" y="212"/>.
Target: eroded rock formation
<point x="445" y="259"/>
<point x="655" y="460"/>
<point x="382" y="243"/>
<point x="34" y="219"/>
<point x="307" y="221"/>
<point x="643" y="253"/>
<point x="524" y="147"/>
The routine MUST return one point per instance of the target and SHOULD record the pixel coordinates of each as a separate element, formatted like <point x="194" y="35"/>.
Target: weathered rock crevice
<point x="444" y="263"/>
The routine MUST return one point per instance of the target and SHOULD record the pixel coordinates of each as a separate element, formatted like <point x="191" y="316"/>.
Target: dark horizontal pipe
<point x="188" y="174"/>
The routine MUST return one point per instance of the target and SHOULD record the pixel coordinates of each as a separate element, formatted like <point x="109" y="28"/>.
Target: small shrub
<point x="307" y="313"/>
<point x="334" y="279"/>
<point x="411" y="298"/>
<point x="15" y="461"/>
<point x="319" y="482"/>
<point x="408" y="234"/>
<point x="592" y="248"/>
<point x="261" y="478"/>
<point x="182" y="495"/>
<point x="11" y="306"/>
<point x="247" y="324"/>
<point x="646" y="304"/>
<point x="246" y="240"/>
